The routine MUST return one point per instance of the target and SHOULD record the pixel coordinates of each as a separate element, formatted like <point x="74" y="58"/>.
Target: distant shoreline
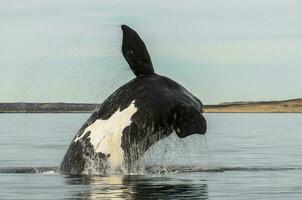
<point x="286" y="106"/>
<point x="47" y="107"/>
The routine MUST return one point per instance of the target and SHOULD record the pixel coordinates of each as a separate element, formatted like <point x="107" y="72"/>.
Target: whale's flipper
<point x="188" y="121"/>
<point x="136" y="53"/>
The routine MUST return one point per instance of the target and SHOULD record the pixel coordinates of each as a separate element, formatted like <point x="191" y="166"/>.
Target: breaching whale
<point x="138" y="114"/>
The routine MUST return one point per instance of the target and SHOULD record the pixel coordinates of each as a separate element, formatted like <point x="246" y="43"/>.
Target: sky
<point x="220" y="50"/>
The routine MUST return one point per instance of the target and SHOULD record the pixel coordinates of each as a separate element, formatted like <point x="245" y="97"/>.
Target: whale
<point x="143" y="111"/>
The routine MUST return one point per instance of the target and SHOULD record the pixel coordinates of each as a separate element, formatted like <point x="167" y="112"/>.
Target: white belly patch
<point x="106" y="135"/>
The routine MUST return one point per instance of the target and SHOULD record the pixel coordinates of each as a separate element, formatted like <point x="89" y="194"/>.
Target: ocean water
<point x="243" y="156"/>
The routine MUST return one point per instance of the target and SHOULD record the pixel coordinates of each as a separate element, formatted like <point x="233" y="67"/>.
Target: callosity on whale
<point x="141" y="112"/>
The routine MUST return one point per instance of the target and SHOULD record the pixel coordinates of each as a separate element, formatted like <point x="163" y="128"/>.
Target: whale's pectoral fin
<point x="188" y="120"/>
<point x="135" y="52"/>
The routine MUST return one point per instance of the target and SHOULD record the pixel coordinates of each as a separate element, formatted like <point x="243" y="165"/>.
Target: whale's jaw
<point x="97" y="149"/>
<point x="106" y="135"/>
<point x="104" y="148"/>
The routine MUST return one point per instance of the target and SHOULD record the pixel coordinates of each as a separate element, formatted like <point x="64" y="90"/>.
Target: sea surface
<point x="242" y="156"/>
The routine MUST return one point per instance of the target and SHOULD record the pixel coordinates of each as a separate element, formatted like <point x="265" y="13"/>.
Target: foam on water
<point x="151" y="169"/>
<point x="29" y="170"/>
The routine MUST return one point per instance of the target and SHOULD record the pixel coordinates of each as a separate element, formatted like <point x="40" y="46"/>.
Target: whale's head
<point x="189" y="120"/>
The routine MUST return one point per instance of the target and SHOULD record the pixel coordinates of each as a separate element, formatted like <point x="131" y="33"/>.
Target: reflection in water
<point x="136" y="187"/>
